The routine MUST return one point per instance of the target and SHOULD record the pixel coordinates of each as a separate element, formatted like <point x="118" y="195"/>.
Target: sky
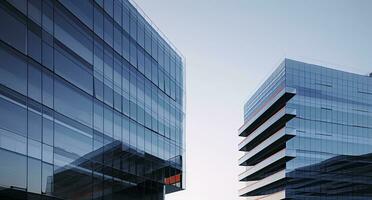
<point x="230" y="47"/>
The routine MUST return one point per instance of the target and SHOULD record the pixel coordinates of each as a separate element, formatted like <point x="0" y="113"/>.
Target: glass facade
<point x="91" y="101"/>
<point x="317" y="124"/>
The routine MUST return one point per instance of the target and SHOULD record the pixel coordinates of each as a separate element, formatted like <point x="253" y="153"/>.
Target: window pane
<point x="13" y="70"/>
<point x="73" y="35"/>
<point x="13" y="117"/>
<point x="48" y="88"/>
<point x="73" y="103"/>
<point x="74" y="70"/>
<point x="34" y="124"/>
<point x="34" y="82"/>
<point x="15" y="31"/>
<point x="82" y="9"/>
<point x="13" y="172"/>
<point x="13" y="142"/>
<point x="34" y="176"/>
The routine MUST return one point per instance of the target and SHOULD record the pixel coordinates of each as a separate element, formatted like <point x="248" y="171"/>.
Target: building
<point x="308" y="135"/>
<point x="91" y="102"/>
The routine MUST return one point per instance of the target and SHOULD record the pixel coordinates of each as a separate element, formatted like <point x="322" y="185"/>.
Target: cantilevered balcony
<point x="270" y="146"/>
<point x="268" y="166"/>
<point x="266" y="111"/>
<point x="258" y="188"/>
<point x="273" y="124"/>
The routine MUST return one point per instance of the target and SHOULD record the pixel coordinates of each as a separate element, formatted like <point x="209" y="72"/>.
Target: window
<point x="108" y="30"/>
<point x="98" y="21"/>
<point x="117" y="11"/>
<point x="34" y="43"/>
<point x="141" y="60"/>
<point x="108" y="121"/>
<point x="34" y="149"/>
<point x="34" y="81"/>
<point x="125" y="129"/>
<point x="73" y="35"/>
<point x="47" y="56"/>
<point x="133" y="53"/>
<point x="133" y="26"/>
<point x="117" y="39"/>
<point x="126" y="19"/>
<point x="34" y="124"/>
<point x="13" y="172"/>
<point x="117" y="126"/>
<point x="48" y="88"/>
<point x="13" y="117"/>
<point x="74" y="70"/>
<point x="47" y="176"/>
<point x="47" y="17"/>
<point x="34" y="176"/>
<point x="73" y="103"/>
<point x="81" y="9"/>
<point x="76" y="141"/>
<point x="98" y="115"/>
<point x="34" y="10"/>
<point x="13" y="70"/>
<point x="109" y="7"/>
<point x="48" y="136"/>
<point x="13" y="142"/>
<point x="126" y="46"/>
<point x="15" y="31"/>
<point x="98" y="89"/>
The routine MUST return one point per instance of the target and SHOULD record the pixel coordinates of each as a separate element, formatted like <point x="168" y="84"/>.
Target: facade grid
<point x="91" y="102"/>
<point x="307" y="135"/>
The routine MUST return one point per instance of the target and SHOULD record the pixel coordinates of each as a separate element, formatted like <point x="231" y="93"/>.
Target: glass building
<point x="91" y="102"/>
<point x="308" y="135"/>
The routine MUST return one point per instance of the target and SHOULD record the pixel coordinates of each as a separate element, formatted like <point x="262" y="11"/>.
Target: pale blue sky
<point x="230" y="47"/>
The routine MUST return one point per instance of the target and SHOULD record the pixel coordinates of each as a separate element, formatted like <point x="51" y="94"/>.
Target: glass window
<point x="34" y="10"/>
<point x="47" y="56"/>
<point x="117" y="39"/>
<point x="73" y="103"/>
<point x="48" y="136"/>
<point x="98" y="89"/>
<point x="13" y="142"/>
<point x="108" y="121"/>
<point x="34" y="176"/>
<point x="74" y="70"/>
<point x="108" y="30"/>
<point x="126" y="46"/>
<point x="108" y="63"/>
<point x="13" y="117"/>
<point x="72" y="139"/>
<point x="117" y="126"/>
<point x="125" y="129"/>
<point x="126" y="19"/>
<point x="13" y="172"/>
<point x="34" y="43"/>
<point x="15" y="31"/>
<point x="47" y="153"/>
<point x="48" y="88"/>
<point x="98" y="21"/>
<point x="133" y="53"/>
<point x="117" y="11"/>
<point x="141" y="60"/>
<point x="133" y="26"/>
<point x="108" y="94"/>
<point x="109" y="7"/>
<point x="34" y="149"/>
<point x="98" y="115"/>
<point x="13" y="70"/>
<point x="34" y="81"/>
<point x="73" y="35"/>
<point x="81" y="9"/>
<point x="47" y="17"/>
<point x="47" y="179"/>
<point x="20" y="5"/>
<point x="34" y="124"/>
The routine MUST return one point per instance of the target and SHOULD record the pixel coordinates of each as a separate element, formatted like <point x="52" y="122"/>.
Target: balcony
<point x="269" y="109"/>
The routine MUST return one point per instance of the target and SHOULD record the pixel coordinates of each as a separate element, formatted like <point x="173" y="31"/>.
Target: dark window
<point x="20" y="5"/>
<point x="109" y="7"/>
<point x="133" y="26"/>
<point x="15" y="31"/>
<point x="98" y="21"/>
<point x="98" y="89"/>
<point x="48" y="88"/>
<point x="73" y="103"/>
<point x="82" y="9"/>
<point x="48" y="136"/>
<point x="72" y="34"/>
<point x="126" y="19"/>
<point x="117" y="126"/>
<point x="117" y="11"/>
<point x="133" y="53"/>
<point x="108" y="95"/>
<point x="108" y="121"/>
<point x="13" y="70"/>
<point x="98" y="115"/>
<point x="34" y="43"/>
<point x="34" y="124"/>
<point x="108" y="30"/>
<point x="47" y="17"/>
<point x="141" y="60"/>
<point x="34" y="81"/>
<point x="126" y="46"/>
<point x="13" y="117"/>
<point x="47" y="56"/>
<point x="74" y="70"/>
<point x="34" y="10"/>
<point x="47" y="177"/>
<point x="117" y="39"/>
<point x="13" y="172"/>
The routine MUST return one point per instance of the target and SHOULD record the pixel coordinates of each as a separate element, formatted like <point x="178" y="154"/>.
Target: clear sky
<point x="230" y="48"/>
